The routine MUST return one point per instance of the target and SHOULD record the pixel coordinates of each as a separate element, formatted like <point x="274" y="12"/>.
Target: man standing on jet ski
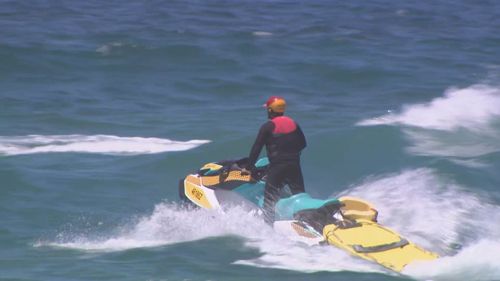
<point x="284" y="141"/>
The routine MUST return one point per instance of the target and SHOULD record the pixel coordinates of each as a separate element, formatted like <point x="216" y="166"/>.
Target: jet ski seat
<point x="286" y="208"/>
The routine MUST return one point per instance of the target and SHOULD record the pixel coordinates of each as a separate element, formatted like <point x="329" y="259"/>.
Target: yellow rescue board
<point x="371" y="241"/>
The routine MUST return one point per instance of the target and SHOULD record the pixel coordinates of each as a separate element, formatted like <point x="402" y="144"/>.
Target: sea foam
<point x="464" y="123"/>
<point x="99" y="144"/>
<point x="477" y="262"/>
<point x="172" y="224"/>
<point x="439" y="215"/>
<point x="472" y="108"/>
<point x="169" y="223"/>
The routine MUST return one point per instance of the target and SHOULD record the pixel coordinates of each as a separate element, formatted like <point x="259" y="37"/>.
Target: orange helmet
<point x="276" y="104"/>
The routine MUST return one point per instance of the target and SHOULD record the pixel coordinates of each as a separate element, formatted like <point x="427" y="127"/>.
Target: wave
<point x="442" y="216"/>
<point x="476" y="263"/>
<point x="472" y="108"/>
<point x="115" y="47"/>
<point x="420" y="204"/>
<point x="464" y="123"/>
<point x="433" y="212"/>
<point x="171" y="51"/>
<point x="172" y="224"/>
<point x="262" y="33"/>
<point x="100" y="144"/>
<point x="169" y="223"/>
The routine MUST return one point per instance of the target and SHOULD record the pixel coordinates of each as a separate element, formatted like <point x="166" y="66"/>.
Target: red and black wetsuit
<point x="284" y="140"/>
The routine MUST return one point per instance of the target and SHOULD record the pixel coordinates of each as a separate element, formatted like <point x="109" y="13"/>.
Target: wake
<point x="431" y="211"/>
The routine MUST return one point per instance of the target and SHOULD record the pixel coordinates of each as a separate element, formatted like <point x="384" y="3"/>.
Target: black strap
<point x="379" y="248"/>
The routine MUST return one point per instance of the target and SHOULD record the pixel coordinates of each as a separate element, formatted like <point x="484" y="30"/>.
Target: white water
<point x="436" y="213"/>
<point x="262" y="33"/>
<point x="472" y="108"/>
<point x="464" y="123"/>
<point x="170" y="224"/>
<point x="113" y="47"/>
<point x="478" y="262"/>
<point x="418" y="205"/>
<point x="433" y="212"/>
<point x="100" y="144"/>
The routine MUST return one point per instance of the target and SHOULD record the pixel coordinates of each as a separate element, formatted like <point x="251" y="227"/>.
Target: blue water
<point x="104" y="106"/>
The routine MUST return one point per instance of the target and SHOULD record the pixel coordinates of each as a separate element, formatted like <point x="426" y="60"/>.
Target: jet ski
<point x="348" y="223"/>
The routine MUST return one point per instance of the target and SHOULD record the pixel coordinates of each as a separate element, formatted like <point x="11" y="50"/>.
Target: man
<point x="284" y="141"/>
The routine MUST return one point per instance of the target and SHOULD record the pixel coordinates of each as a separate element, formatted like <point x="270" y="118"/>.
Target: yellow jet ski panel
<point x="371" y="241"/>
<point x="198" y="194"/>
<point x="355" y="208"/>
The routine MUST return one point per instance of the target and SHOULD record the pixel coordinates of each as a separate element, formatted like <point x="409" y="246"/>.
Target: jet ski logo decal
<point x="196" y="193"/>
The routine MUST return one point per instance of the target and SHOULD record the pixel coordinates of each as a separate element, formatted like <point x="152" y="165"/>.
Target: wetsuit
<point x="284" y="140"/>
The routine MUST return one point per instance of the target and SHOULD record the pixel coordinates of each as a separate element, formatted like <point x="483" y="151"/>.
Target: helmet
<point x="276" y="104"/>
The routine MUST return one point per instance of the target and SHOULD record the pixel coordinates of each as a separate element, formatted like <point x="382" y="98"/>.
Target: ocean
<point x="105" y="105"/>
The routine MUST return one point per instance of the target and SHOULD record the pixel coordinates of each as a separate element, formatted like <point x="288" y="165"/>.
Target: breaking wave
<point x="100" y="144"/>
<point x="472" y="108"/>
<point x="464" y="123"/>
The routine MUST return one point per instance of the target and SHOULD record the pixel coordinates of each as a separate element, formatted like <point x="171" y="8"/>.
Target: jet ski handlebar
<point x="222" y="168"/>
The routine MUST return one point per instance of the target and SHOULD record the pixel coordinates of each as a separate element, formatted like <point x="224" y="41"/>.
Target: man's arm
<point x="302" y="142"/>
<point x="264" y="133"/>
